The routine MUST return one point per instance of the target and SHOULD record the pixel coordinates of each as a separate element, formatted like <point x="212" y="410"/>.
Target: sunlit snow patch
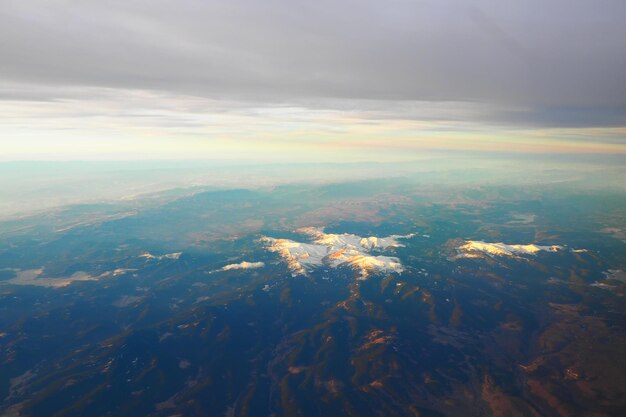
<point x="472" y="248"/>
<point x="148" y="255"/>
<point x="334" y="250"/>
<point x="243" y="265"/>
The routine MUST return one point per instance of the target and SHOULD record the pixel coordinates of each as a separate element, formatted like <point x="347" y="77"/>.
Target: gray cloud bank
<point x="530" y="62"/>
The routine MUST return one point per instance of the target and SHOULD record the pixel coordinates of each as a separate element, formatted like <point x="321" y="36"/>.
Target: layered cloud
<point x="195" y="76"/>
<point x="280" y="50"/>
<point x="335" y="250"/>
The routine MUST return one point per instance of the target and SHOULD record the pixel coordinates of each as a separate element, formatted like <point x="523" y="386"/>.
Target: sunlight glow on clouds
<point x="309" y="81"/>
<point x="147" y="125"/>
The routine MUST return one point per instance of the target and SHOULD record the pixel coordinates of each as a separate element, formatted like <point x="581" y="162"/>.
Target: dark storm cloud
<point x="562" y="62"/>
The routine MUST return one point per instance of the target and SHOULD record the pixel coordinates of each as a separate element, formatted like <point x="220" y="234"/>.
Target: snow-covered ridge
<point x="472" y="248"/>
<point x="243" y="265"/>
<point x="334" y="250"/>
<point x="346" y="240"/>
<point x="148" y="255"/>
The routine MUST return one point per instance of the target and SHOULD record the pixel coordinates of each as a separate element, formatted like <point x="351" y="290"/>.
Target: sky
<point x="325" y="80"/>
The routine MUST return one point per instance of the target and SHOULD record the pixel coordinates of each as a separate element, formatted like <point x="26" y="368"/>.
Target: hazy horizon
<point x="31" y="187"/>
